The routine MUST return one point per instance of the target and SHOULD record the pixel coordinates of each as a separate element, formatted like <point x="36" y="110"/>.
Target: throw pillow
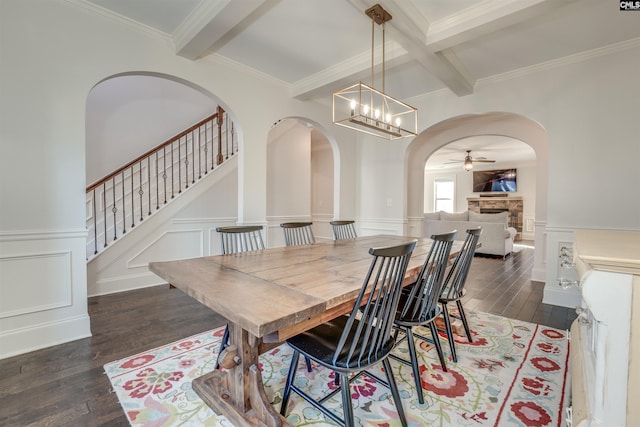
<point x="447" y="216"/>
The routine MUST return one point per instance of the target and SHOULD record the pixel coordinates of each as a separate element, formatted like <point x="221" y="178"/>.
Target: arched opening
<point x="302" y="177"/>
<point x="128" y="114"/>
<point x="456" y="128"/>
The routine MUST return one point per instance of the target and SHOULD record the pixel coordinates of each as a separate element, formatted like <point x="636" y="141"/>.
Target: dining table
<point x="268" y="296"/>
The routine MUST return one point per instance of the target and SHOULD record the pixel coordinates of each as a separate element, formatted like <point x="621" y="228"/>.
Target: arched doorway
<point x="303" y="178"/>
<point x="494" y="123"/>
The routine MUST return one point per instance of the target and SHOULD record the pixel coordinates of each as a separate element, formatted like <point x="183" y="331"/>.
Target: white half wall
<point x="53" y="263"/>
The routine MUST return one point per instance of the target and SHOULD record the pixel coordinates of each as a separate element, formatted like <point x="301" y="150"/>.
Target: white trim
<point x="66" y="280"/>
<point x="561" y="62"/>
<point x="558" y="296"/>
<point x="122" y="20"/>
<point x="24" y="235"/>
<point x="35" y="337"/>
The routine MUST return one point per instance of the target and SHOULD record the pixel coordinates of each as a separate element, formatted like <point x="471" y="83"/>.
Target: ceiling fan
<point x="469" y="161"/>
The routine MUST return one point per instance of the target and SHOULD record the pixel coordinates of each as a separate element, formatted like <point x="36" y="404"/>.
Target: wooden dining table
<point x="268" y="296"/>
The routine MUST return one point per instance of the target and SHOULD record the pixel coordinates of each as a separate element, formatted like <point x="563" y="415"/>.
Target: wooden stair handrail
<point x="218" y="114"/>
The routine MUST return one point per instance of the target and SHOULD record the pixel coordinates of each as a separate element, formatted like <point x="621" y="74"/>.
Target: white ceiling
<point x="319" y="46"/>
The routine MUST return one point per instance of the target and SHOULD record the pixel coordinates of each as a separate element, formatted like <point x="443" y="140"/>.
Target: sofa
<point x="496" y="238"/>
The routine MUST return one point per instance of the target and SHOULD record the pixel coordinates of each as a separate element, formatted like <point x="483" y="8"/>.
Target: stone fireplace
<point x="513" y="205"/>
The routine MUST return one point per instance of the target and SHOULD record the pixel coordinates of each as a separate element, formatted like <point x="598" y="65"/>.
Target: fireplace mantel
<point x="513" y="205"/>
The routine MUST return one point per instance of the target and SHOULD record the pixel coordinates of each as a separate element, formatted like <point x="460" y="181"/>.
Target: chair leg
<point x="394" y="391"/>
<point x="287" y="388"/>
<point x="414" y="365"/>
<point x="347" y="407"/>
<point x="308" y="363"/>
<point x="436" y="342"/>
<point x="463" y="317"/>
<point x="223" y="344"/>
<point x="447" y="324"/>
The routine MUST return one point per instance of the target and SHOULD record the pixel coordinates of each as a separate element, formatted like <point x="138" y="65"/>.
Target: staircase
<point x="124" y="199"/>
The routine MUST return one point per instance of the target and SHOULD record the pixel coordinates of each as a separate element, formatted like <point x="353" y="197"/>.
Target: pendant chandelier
<point x="363" y="108"/>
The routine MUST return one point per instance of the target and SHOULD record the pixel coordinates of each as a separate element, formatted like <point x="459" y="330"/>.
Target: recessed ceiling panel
<point x="578" y="27"/>
<point x="296" y="38"/>
<point x="441" y="9"/>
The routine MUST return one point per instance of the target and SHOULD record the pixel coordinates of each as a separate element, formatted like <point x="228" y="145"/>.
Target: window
<point x="443" y="191"/>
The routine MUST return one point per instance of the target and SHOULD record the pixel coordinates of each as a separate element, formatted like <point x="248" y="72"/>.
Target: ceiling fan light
<point x="468" y="164"/>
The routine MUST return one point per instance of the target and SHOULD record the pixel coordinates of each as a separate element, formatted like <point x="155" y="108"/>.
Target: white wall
<point x="322" y="185"/>
<point x="53" y="53"/>
<point x="288" y="177"/>
<point x="131" y="114"/>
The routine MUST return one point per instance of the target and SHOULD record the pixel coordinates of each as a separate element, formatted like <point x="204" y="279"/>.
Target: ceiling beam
<point x="209" y="23"/>
<point x="346" y="73"/>
<point x="408" y="27"/>
<point x="484" y="18"/>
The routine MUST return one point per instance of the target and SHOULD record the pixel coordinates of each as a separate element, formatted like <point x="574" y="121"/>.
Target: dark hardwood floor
<point x="66" y="386"/>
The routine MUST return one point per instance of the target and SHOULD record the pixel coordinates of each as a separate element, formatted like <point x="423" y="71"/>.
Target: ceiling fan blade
<point x="452" y="161"/>
<point x="483" y="161"/>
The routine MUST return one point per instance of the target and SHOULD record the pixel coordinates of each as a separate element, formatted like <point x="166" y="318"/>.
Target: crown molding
<point x="562" y="62"/>
<point x="217" y="59"/>
<point x="120" y="19"/>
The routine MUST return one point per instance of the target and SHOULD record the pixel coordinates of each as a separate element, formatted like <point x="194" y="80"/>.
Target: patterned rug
<point x="513" y="374"/>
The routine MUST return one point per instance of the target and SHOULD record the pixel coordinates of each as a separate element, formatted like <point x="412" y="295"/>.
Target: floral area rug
<point x="513" y="374"/>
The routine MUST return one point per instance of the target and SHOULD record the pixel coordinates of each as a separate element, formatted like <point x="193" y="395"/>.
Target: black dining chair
<point x="298" y="233"/>
<point x="343" y="230"/>
<point x="241" y="238"/>
<point x="237" y="239"/>
<point x="419" y="304"/>
<point x="350" y="344"/>
<point x="453" y="287"/>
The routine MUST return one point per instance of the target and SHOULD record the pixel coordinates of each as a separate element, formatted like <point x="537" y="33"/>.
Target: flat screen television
<point x="500" y="180"/>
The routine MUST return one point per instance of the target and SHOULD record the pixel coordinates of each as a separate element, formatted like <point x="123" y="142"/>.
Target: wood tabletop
<point x="268" y="290"/>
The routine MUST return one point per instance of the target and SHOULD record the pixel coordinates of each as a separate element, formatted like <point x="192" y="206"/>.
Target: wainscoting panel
<point x="43" y="290"/>
<point x="172" y="244"/>
<point x="373" y="226"/>
<point x="53" y="269"/>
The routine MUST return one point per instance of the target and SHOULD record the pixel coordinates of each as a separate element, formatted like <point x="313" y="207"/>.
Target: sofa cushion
<point x="502" y="217"/>
<point x="432" y="216"/>
<point x="447" y="216"/>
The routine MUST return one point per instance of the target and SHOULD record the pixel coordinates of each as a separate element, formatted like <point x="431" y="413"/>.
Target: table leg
<point x="238" y="393"/>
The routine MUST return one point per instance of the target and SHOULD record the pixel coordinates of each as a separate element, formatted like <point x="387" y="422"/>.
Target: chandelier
<point x="363" y="108"/>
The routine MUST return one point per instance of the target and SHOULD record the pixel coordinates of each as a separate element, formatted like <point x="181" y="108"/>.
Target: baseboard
<point x="123" y="284"/>
<point x="36" y="337"/>
<point x="560" y="297"/>
<point x="539" y="274"/>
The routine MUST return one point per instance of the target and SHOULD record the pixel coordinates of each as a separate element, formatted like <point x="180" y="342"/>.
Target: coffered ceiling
<point x="316" y="47"/>
<point x="319" y="46"/>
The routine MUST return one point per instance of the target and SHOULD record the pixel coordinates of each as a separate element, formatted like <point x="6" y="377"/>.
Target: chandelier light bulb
<point x="376" y="114"/>
<point x="398" y="121"/>
<point x="353" y="107"/>
<point x="365" y="109"/>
